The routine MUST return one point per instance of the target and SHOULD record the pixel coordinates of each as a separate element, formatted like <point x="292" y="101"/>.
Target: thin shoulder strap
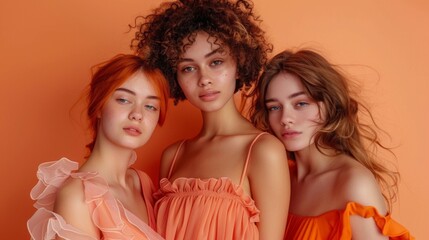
<point x="174" y="159"/>
<point x="248" y="157"/>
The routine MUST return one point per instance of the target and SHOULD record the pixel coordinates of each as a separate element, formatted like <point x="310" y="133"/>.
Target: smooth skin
<point x="126" y="122"/>
<point x="207" y="74"/>
<point x="332" y="180"/>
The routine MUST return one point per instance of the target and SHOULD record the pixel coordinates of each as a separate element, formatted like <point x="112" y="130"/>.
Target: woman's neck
<point x="225" y="121"/>
<point x="310" y="161"/>
<point x="110" y="162"/>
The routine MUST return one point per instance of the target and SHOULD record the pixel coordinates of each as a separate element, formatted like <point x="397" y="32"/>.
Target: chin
<point x="292" y="148"/>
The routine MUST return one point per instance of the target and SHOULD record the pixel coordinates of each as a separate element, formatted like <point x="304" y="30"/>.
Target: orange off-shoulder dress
<point x="108" y="214"/>
<point x="335" y="224"/>
<point x="209" y="209"/>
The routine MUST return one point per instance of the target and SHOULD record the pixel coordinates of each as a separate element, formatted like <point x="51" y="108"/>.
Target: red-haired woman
<point x="104" y="198"/>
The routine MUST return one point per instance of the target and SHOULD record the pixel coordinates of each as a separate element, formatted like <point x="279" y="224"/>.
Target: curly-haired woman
<point x="231" y="181"/>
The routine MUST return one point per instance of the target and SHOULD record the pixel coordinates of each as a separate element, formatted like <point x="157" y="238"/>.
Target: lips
<point x="209" y="95"/>
<point x="290" y="134"/>
<point x="133" y="131"/>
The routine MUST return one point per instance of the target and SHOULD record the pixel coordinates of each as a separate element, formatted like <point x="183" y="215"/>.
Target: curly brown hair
<point x="342" y="129"/>
<point x="160" y="36"/>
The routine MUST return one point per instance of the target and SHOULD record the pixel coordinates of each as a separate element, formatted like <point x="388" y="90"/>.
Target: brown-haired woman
<point x="336" y="179"/>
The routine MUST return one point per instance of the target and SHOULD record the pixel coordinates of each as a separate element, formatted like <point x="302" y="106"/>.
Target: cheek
<point x="111" y="114"/>
<point x="152" y="120"/>
<point x="185" y="86"/>
<point x="106" y="113"/>
<point x="274" y="121"/>
<point x="315" y="117"/>
<point x="229" y="78"/>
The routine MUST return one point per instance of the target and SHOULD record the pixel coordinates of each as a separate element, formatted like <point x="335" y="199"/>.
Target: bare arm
<point x="364" y="189"/>
<point x="70" y="204"/>
<point x="270" y="186"/>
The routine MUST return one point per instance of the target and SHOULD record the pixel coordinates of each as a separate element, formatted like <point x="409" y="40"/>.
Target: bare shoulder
<point x="268" y="148"/>
<point x="269" y="181"/>
<point x="357" y="184"/>
<point x="268" y="153"/>
<point x="70" y="204"/>
<point x="70" y="197"/>
<point x="167" y="158"/>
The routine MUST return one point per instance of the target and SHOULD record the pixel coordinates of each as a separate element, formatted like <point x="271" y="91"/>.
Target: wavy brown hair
<point x="160" y="36"/>
<point x="342" y="130"/>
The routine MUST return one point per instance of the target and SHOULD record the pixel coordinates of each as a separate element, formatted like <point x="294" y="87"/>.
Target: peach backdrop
<point x="47" y="48"/>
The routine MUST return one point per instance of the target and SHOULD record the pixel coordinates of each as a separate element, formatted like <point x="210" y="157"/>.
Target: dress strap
<point x="248" y="157"/>
<point x="147" y="189"/>
<point x="174" y="159"/>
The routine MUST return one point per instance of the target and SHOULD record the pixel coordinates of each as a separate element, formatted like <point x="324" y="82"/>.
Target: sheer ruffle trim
<point x="108" y="214"/>
<point x="45" y="224"/>
<point x="222" y="187"/>
<point x="51" y="176"/>
<point x="386" y="224"/>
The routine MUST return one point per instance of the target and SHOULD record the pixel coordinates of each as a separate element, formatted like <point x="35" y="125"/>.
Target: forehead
<point x="285" y="84"/>
<point x="202" y="40"/>
<point x="139" y="83"/>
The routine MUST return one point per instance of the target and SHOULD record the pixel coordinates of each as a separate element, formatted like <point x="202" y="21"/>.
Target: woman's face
<point x="131" y="114"/>
<point x="207" y="73"/>
<point x="294" y="116"/>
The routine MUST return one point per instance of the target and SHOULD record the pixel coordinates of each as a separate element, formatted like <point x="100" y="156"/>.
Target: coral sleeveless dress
<point x="193" y="208"/>
<point x="108" y="214"/>
<point x="335" y="224"/>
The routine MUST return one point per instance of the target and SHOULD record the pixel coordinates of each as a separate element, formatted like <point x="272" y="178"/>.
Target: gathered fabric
<point x="335" y="224"/>
<point x="213" y="208"/>
<point x="108" y="214"/>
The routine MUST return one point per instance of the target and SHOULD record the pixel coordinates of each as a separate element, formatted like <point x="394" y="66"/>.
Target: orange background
<point x="48" y="46"/>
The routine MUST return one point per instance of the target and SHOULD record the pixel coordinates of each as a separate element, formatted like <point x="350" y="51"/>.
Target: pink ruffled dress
<point x="210" y="209"/>
<point x="108" y="214"/>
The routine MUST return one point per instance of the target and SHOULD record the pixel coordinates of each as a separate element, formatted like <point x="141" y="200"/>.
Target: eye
<point x="302" y="104"/>
<point x="216" y="62"/>
<point x="122" y="100"/>
<point x="151" y="108"/>
<point x="273" y="108"/>
<point x="188" y="69"/>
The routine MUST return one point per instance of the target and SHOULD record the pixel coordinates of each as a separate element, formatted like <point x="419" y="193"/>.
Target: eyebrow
<point x="293" y="95"/>
<point x="205" y="56"/>
<point x="133" y="93"/>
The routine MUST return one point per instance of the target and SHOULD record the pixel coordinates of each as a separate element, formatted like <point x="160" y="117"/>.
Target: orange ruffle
<point x="108" y="214"/>
<point x="336" y="224"/>
<point x="190" y="208"/>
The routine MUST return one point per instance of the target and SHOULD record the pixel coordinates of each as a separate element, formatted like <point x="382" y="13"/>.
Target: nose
<point x="205" y="78"/>
<point x="287" y="118"/>
<point x="136" y="115"/>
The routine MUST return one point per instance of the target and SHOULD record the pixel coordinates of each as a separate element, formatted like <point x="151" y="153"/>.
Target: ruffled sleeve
<point x="386" y="224"/>
<point x="45" y="224"/>
<point x="108" y="214"/>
